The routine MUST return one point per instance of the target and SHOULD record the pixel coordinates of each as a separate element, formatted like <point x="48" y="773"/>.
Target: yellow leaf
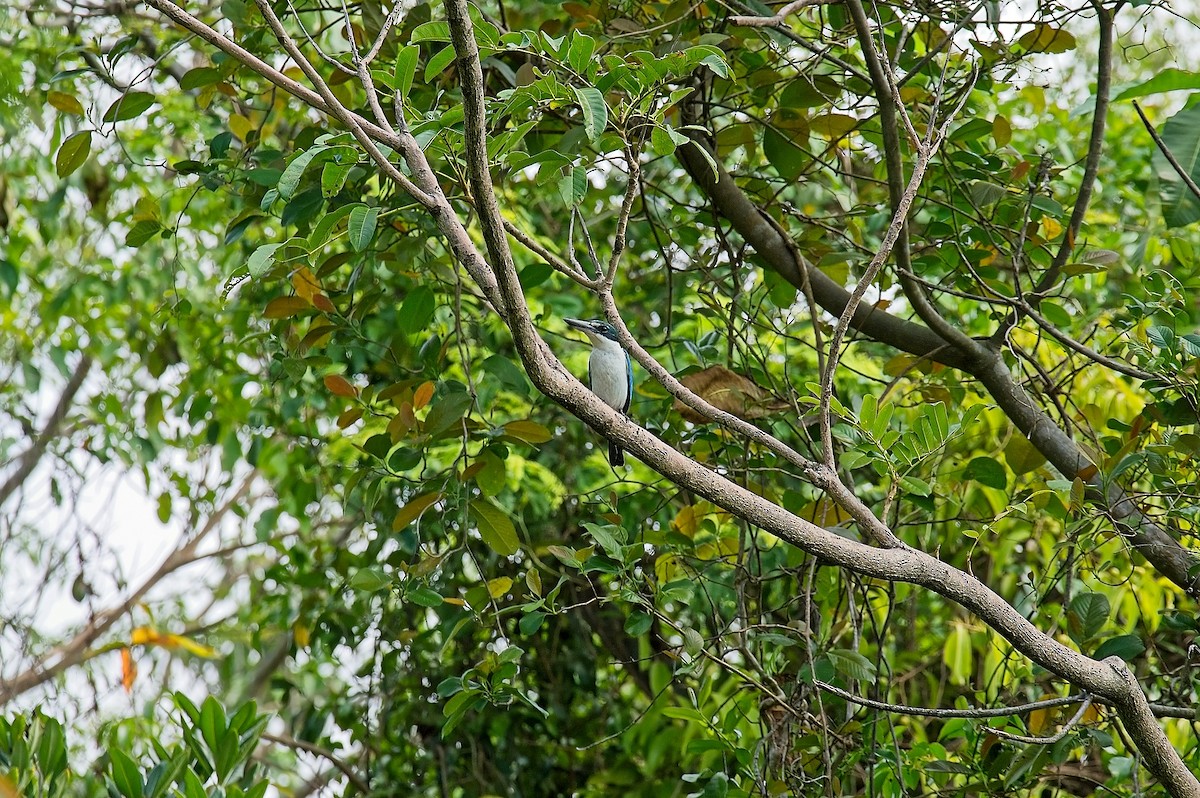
<point x="533" y="579"/>
<point x="340" y="386"/>
<point x="499" y="586"/>
<point x="67" y="103"/>
<point x="457" y="602"/>
<point x="1001" y="131"/>
<point x="240" y="126"/>
<point x="1051" y="228"/>
<point x="305" y="283"/>
<point x="285" y="306"/>
<point x="301" y="634"/>
<point x="685" y="521"/>
<point x="666" y="568"/>
<point x="422" y="395"/>
<point x="1038" y="719"/>
<point x="187" y="644"/>
<point x="411" y="511"/>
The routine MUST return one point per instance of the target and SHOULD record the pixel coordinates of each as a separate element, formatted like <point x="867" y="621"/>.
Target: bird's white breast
<point x="610" y="380"/>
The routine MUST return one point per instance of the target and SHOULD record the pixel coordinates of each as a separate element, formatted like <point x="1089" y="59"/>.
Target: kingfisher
<point x="610" y="372"/>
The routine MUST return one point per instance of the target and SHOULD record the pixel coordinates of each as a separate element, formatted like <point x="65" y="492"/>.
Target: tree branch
<point x="28" y="460"/>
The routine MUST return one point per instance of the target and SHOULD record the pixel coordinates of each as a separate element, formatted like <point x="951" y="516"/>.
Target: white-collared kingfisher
<point x="610" y="372"/>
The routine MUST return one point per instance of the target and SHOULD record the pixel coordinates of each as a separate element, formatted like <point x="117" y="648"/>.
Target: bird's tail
<point x="616" y="455"/>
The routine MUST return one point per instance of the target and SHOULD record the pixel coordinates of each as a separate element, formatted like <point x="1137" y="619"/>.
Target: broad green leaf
<point x="958" y="655"/>
<point x="369" y="580"/>
<point x="1181" y="136"/>
<point x="73" y="152"/>
<point x="406" y="69"/>
<point x="1086" y="616"/>
<point x="852" y="664"/>
<point x="1127" y="647"/>
<point x="595" y="111"/>
<point x="442" y="59"/>
<point x="416" y="311"/>
<point x="261" y="259"/>
<point x="131" y="104"/>
<point x="987" y="471"/>
<point x="290" y="178"/>
<point x="1169" y="79"/>
<point x="362" y="227"/>
<point x="495" y="527"/>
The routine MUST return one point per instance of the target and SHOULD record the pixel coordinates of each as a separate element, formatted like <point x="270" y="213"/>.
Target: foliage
<point x="439" y="585"/>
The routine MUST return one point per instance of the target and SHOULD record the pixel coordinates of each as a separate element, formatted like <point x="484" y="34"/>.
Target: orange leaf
<point x="422" y="395"/>
<point x="284" y="307"/>
<point x="322" y="303"/>
<point x="411" y="511"/>
<point x="340" y="386"/>
<point x="305" y="283"/>
<point x="128" y="670"/>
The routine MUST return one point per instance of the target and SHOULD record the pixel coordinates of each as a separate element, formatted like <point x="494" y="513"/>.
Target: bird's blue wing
<point x="628" y="383"/>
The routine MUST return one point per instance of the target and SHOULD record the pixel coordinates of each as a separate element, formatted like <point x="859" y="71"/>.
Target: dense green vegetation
<point x="284" y="306"/>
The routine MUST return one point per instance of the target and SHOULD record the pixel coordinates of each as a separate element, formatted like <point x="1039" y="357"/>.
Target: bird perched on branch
<point x="610" y="372"/>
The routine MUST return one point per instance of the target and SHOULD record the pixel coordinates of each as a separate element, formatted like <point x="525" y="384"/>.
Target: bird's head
<point x="595" y="329"/>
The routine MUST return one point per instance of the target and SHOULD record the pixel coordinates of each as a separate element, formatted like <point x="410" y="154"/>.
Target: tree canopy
<point x="912" y="491"/>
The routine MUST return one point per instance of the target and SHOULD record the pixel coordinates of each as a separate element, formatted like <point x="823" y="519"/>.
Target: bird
<point x="610" y="372"/>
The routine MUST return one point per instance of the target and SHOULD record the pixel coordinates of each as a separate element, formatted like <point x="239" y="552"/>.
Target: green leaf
<point x="579" y="53"/>
<point x="852" y="664"/>
<point x="958" y="654"/>
<point x="425" y="597"/>
<point x="595" y="111"/>
<point x="987" y="471"/>
<point x="1086" y="616"/>
<point x="362" y="227"/>
<point x="126" y="775"/>
<point x="130" y="105"/>
<point x="1180" y="135"/>
<point x="261" y="259"/>
<point x="333" y="177"/>
<point x="916" y="486"/>
<point x="495" y="527"/>
<point x="370" y="580"/>
<point x="447" y="410"/>
<point x="638" y="623"/>
<point x="406" y="69"/>
<point x="711" y="57"/>
<point x="198" y="77"/>
<point x="142" y="232"/>
<point x="1127" y="647"/>
<point x="417" y="310"/>
<point x="431" y="32"/>
<point x="290" y="178"/>
<point x="73" y="152"/>
<point x="1169" y="79"/>
<point x="439" y="62"/>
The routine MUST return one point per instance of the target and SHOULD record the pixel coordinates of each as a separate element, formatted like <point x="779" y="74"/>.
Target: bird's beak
<point x="576" y="324"/>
